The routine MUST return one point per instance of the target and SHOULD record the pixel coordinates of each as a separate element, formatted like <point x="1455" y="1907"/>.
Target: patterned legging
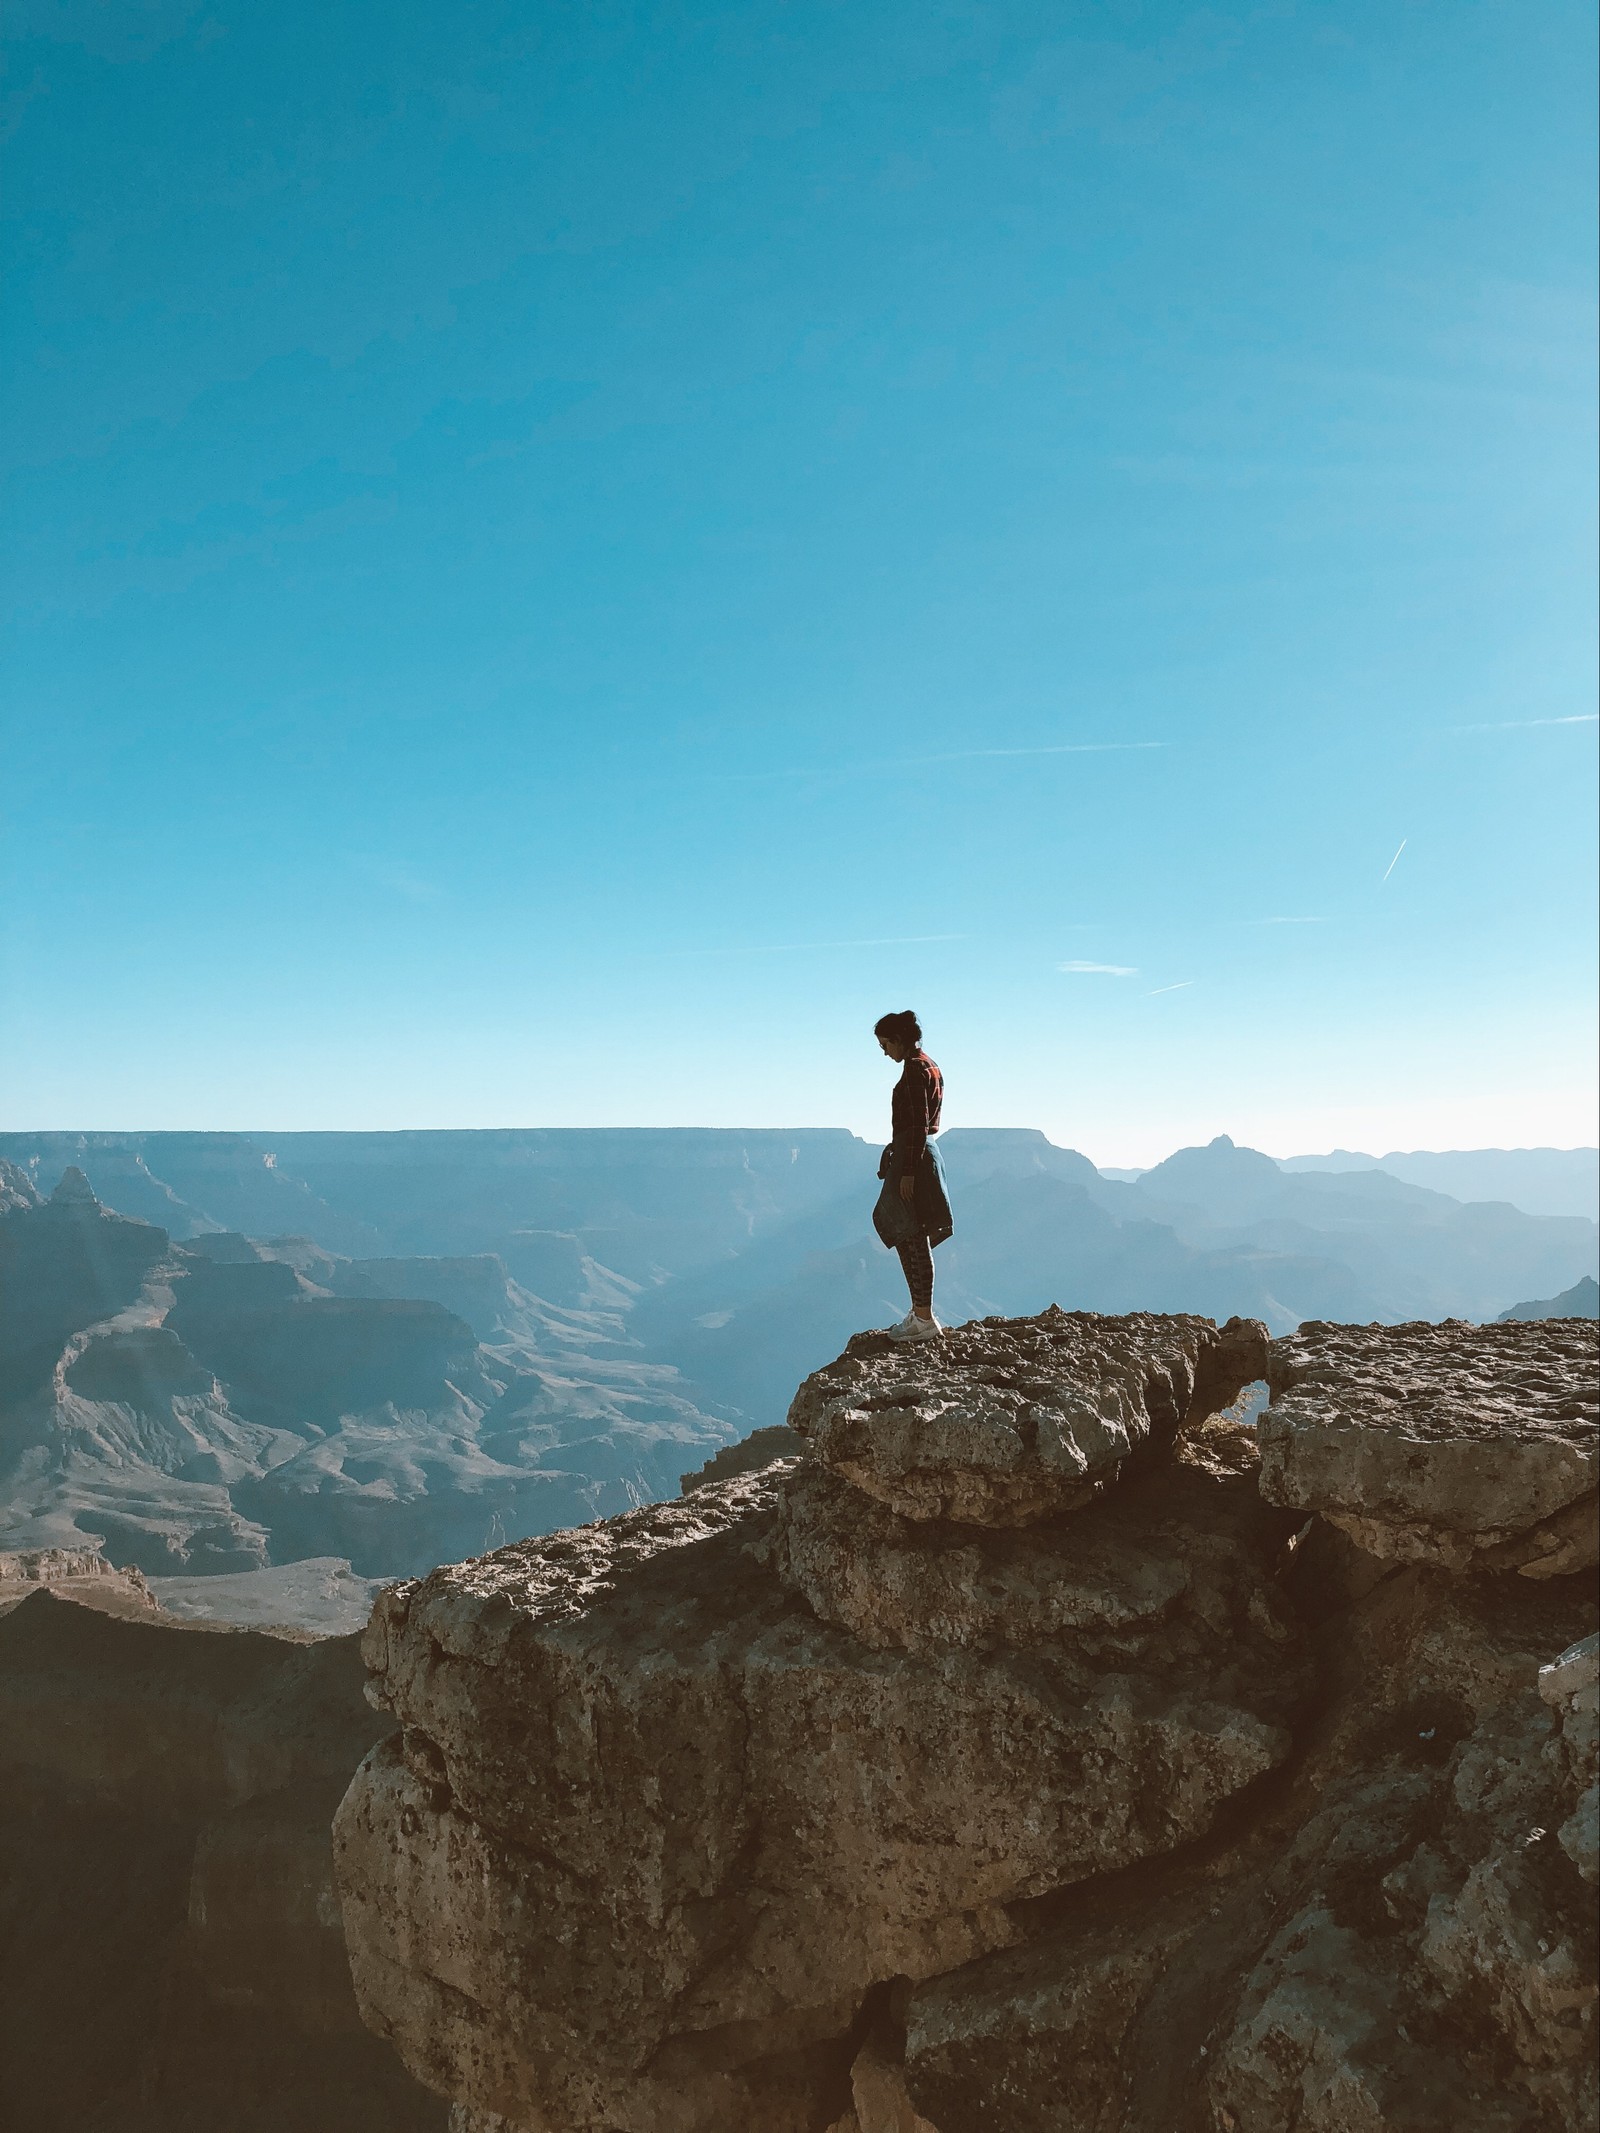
<point x="916" y="1259"/>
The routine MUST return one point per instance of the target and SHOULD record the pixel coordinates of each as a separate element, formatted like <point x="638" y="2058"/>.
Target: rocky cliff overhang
<point x="1455" y="1444"/>
<point x="1009" y="1745"/>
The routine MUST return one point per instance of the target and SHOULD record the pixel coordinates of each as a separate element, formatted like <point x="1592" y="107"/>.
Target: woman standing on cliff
<point x="913" y="1212"/>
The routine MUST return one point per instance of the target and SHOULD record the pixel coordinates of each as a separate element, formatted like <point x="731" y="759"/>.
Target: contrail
<point x="1520" y="725"/>
<point x="1389" y="869"/>
<point x="894" y="940"/>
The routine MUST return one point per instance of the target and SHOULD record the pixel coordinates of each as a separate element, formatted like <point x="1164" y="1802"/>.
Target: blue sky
<point x="562" y="559"/>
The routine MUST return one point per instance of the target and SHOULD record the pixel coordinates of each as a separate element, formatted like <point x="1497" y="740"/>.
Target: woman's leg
<point x="916" y="1261"/>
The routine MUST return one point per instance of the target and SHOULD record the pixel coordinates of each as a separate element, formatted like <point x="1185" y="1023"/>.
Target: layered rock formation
<point x="216" y="1407"/>
<point x="76" y="1574"/>
<point x="1008" y="1421"/>
<point x="868" y="1792"/>
<point x="1452" y="1444"/>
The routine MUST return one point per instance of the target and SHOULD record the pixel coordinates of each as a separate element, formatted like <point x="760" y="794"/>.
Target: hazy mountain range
<point x="1541" y="1181"/>
<point x="394" y="1347"/>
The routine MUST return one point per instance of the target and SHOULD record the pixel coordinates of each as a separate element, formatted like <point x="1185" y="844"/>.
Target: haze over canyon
<point x="224" y="1352"/>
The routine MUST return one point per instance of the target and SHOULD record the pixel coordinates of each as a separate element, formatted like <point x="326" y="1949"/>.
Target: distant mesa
<point x="222" y="1247"/>
<point x="211" y="1408"/>
<point x="140" y="1365"/>
<point x="1540" y="1181"/>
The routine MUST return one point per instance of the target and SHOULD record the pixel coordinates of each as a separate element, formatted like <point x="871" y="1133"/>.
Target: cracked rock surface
<point x="1167" y="1809"/>
<point x="1455" y="1444"/>
<point x="673" y="1793"/>
<point x="1397" y="1941"/>
<point x="1008" y="1420"/>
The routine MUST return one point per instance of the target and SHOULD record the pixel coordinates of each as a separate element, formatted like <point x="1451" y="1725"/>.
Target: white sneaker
<point x="912" y="1328"/>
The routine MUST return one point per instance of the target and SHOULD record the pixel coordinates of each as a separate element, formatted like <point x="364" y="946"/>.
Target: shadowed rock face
<point x="172" y="1957"/>
<point x="64" y="1265"/>
<point x="1400" y="1941"/>
<point x="1009" y="1420"/>
<point x="1162" y="1811"/>
<point x="287" y="1352"/>
<point x="1453" y="1444"/>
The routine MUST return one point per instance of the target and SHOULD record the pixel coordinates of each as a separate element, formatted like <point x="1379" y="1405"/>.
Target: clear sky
<point x="563" y="558"/>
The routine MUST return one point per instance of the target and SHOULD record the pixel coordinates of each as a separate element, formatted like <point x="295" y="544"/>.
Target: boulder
<point x="1176" y="1579"/>
<point x="1005" y="1421"/>
<point x="1468" y="1446"/>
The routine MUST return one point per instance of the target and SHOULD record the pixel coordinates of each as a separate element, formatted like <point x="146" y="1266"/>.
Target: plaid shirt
<point x="914" y="1111"/>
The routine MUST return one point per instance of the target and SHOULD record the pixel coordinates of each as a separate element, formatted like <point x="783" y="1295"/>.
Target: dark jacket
<point x="928" y="1214"/>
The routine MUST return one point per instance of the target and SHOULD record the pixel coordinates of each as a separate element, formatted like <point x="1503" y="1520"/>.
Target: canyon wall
<point x="171" y="1951"/>
<point x="1044" y="1748"/>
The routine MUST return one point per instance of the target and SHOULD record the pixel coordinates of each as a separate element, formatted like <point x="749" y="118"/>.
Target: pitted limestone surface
<point x="1005" y="1421"/>
<point x="1172" y="1576"/>
<point x="1469" y="1446"/>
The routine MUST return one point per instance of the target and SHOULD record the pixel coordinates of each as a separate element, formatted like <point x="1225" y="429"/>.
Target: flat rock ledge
<point x="1009" y="1420"/>
<point x="1473" y="1447"/>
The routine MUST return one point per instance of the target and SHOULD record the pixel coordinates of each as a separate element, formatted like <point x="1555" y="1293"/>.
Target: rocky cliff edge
<point x="1034" y="1752"/>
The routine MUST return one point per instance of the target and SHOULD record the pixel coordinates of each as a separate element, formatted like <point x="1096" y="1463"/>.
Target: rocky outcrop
<point x="1392" y="1942"/>
<point x="80" y="1574"/>
<point x="779" y="1743"/>
<point x="748" y="1456"/>
<point x="1157" y="1808"/>
<point x="17" y="1189"/>
<point x="172" y="1953"/>
<point x="1005" y="1421"/>
<point x="1455" y="1444"/>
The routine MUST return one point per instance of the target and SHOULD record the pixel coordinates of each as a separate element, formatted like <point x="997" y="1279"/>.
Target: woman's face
<point x="890" y="1049"/>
